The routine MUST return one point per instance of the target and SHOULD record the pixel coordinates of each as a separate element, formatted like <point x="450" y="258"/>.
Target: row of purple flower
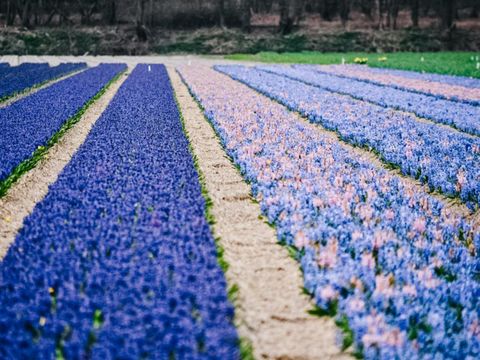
<point x="30" y="122"/>
<point x="118" y="260"/>
<point x="17" y="79"/>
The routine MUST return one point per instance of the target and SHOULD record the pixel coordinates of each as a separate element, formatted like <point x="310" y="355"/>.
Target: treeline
<point x="226" y="13"/>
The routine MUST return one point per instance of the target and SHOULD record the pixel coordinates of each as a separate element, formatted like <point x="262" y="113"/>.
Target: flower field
<point x="370" y="182"/>
<point x="20" y="78"/>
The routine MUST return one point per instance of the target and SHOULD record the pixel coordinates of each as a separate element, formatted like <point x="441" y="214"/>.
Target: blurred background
<point x="137" y="27"/>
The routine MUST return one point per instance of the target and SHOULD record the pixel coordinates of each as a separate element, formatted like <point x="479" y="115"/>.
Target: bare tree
<point x="344" y="11"/>
<point x="110" y="12"/>
<point x="299" y="8"/>
<point x="221" y="13"/>
<point x="139" y="21"/>
<point x="448" y="13"/>
<point x="285" y="25"/>
<point x="414" y="6"/>
<point x="246" y="15"/>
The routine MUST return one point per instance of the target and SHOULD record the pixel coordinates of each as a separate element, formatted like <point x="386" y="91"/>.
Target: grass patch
<point x="41" y="151"/>
<point x="451" y="63"/>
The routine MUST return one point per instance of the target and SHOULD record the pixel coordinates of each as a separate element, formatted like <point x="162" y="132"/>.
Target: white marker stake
<point x="149" y="68"/>
<point x="343" y="61"/>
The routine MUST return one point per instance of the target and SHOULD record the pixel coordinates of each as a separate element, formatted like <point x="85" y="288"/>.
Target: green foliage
<point x="246" y="350"/>
<point x="452" y="63"/>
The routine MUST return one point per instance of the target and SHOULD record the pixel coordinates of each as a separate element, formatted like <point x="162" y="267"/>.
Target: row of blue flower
<point x="387" y="257"/>
<point x="30" y="122"/>
<point x="459" y="115"/>
<point x="17" y="79"/>
<point x="118" y="260"/>
<point x="444" y="79"/>
<point x="445" y="159"/>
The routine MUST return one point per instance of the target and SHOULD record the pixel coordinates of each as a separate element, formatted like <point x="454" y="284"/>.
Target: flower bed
<point x="446" y="160"/>
<point x="14" y="80"/>
<point x="397" y="269"/>
<point x="32" y="121"/>
<point x="432" y="88"/>
<point x="461" y="116"/>
<point x="118" y="260"/>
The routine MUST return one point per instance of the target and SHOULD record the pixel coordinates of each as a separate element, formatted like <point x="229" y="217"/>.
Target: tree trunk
<point x="246" y="15"/>
<point x="298" y="11"/>
<point x="393" y="11"/>
<point x="139" y="22"/>
<point x="286" y="22"/>
<point x="221" y="13"/>
<point x="379" y="13"/>
<point x="26" y="14"/>
<point x="110" y="14"/>
<point x="475" y="10"/>
<point x="448" y="14"/>
<point x="11" y="13"/>
<point x="344" y="11"/>
<point x="414" y="4"/>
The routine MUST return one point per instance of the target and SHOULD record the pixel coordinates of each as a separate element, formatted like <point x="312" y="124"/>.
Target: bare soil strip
<point x="36" y="88"/>
<point x="271" y="310"/>
<point x="32" y="187"/>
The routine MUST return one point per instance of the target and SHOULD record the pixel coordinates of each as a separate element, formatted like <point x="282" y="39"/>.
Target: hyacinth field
<point x="370" y="179"/>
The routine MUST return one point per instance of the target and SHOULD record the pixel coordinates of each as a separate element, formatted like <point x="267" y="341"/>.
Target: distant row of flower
<point x="30" y="122"/>
<point x="462" y="116"/>
<point x="394" y="264"/>
<point x="445" y="79"/>
<point x="446" y="160"/>
<point x="118" y="260"/>
<point x="434" y="88"/>
<point x="19" y="78"/>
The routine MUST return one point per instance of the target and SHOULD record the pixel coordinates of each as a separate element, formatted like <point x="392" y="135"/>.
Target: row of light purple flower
<point x="396" y="264"/>
<point x="431" y="88"/>
<point x="446" y="160"/>
<point x="441" y="78"/>
<point x="462" y="116"/>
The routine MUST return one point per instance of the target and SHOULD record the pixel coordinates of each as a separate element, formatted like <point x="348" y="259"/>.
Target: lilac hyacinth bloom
<point x="464" y="81"/>
<point x="118" y="261"/>
<point x="32" y="121"/>
<point x="461" y="116"/>
<point x="442" y="158"/>
<point x="394" y="262"/>
<point x="18" y="79"/>
<point x="432" y="88"/>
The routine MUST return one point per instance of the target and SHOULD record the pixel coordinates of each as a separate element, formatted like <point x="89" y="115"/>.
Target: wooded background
<point x="286" y="15"/>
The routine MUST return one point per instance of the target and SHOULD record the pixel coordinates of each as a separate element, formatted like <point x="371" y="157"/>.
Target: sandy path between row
<point x="32" y="187"/>
<point x="271" y="310"/>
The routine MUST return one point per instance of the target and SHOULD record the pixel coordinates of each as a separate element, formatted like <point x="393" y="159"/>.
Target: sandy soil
<point x="271" y="310"/>
<point x="21" y="199"/>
